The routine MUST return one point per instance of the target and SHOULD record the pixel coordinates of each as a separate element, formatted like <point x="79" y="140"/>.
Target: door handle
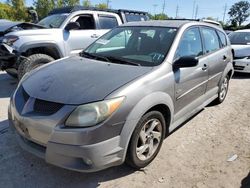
<point x="204" y="68"/>
<point x="94" y="36"/>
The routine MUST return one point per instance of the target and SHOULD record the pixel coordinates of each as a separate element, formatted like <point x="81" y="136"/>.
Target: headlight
<point x="94" y="113"/>
<point x="10" y="39"/>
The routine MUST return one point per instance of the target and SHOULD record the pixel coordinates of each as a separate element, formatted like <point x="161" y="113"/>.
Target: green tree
<point x="239" y="12"/>
<point x="101" y="6"/>
<point x="43" y="7"/>
<point x="6" y="11"/>
<point x="87" y="3"/>
<point x="19" y="9"/>
<point x="160" y="17"/>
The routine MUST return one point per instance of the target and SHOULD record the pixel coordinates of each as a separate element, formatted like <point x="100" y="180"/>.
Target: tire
<point x="33" y="62"/>
<point x="11" y="73"/>
<point x="223" y="90"/>
<point x="141" y="153"/>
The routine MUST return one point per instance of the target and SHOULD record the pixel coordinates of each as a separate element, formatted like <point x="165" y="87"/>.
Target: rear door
<point x="191" y="82"/>
<point x="217" y="53"/>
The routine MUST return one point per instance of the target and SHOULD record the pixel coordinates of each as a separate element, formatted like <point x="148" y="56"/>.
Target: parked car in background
<point x="123" y="95"/>
<point x="240" y="41"/>
<point x="64" y="32"/>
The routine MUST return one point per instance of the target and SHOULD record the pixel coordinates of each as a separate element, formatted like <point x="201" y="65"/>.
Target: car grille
<point x="46" y="107"/>
<point x="236" y="67"/>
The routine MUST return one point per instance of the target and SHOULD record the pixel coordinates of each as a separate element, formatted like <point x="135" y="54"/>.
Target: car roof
<point x="170" y="23"/>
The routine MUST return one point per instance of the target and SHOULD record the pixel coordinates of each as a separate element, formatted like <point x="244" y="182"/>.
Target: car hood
<point x="241" y="50"/>
<point x="77" y="80"/>
<point x="9" y="26"/>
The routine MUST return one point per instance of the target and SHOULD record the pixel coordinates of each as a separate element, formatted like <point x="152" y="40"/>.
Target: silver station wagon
<point x="123" y="95"/>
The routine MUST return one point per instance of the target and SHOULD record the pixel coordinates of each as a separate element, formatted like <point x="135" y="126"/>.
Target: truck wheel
<point x="11" y="72"/>
<point x="33" y="62"/>
<point x="146" y="140"/>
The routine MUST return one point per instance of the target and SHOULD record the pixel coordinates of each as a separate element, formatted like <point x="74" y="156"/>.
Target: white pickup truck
<point x="64" y="32"/>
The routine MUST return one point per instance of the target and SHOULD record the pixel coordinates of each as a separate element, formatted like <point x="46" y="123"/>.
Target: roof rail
<point x="71" y="9"/>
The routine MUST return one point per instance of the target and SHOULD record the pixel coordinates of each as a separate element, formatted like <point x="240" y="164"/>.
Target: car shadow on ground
<point x="238" y="75"/>
<point x="35" y="171"/>
<point x="245" y="183"/>
<point x="7" y="85"/>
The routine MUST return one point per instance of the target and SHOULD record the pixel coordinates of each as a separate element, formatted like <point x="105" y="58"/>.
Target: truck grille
<point x="46" y="107"/>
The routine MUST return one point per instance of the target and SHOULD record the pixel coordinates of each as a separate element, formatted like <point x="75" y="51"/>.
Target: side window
<point x="107" y="22"/>
<point x="85" y="21"/>
<point x="211" y="40"/>
<point x="190" y="44"/>
<point x="223" y="38"/>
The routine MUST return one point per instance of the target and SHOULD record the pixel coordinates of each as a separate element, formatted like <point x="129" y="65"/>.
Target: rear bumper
<point x="242" y="65"/>
<point x="7" y="58"/>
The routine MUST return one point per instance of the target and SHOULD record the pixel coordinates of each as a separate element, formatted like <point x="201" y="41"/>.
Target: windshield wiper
<point x="94" y="56"/>
<point x="121" y="60"/>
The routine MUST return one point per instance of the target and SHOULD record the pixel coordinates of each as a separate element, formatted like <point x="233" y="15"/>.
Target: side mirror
<point x="72" y="26"/>
<point x="186" y="61"/>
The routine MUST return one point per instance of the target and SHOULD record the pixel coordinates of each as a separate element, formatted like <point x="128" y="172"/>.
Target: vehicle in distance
<point x="123" y="95"/>
<point x="240" y="41"/>
<point x="64" y="32"/>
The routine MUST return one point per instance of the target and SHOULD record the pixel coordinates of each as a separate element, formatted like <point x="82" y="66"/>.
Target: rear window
<point x="135" y="17"/>
<point x="107" y="22"/>
<point x="240" y="38"/>
<point x="223" y="38"/>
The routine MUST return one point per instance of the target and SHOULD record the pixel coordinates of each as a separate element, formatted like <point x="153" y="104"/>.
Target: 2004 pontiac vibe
<point x="123" y="95"/>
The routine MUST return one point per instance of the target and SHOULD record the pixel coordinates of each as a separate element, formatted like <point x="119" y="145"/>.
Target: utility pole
<point x="155" y="5"/>
<point x="177" y="11"/>
<point x="163" y="6"/>
<point x="196" y="12"/>
<point x="224" y="15"/>
<point x="108" y="2"/>
<point x="193" y="9"/>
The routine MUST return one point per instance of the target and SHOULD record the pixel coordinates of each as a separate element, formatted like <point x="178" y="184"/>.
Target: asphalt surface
<point x="196" y="155"/>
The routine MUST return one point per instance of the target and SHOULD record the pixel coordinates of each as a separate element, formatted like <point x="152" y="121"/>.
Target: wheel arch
<point x="50" y="49"/>
<point x="159" y="101"/>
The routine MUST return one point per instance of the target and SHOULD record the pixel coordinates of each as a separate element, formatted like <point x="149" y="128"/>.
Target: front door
<point x="191" y="82"/>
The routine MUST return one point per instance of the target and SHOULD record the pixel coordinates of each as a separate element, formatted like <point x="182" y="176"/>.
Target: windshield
<point x="53" y="21"/>
<point x="142" y="46"/>
<point x="240" y="38"/>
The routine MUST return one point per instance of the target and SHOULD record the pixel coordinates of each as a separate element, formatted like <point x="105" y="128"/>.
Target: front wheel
<point x="33" y="62"/>
<point x="146" y="140"/>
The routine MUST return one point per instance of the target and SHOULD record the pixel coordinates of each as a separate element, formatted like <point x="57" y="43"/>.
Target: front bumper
<point x="85" y="149"/>
<point x="8" y="57"/>
<point x="242" y="65"/>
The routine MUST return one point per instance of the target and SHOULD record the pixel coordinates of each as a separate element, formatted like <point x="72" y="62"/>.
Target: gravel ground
<point x="194" y="156"/>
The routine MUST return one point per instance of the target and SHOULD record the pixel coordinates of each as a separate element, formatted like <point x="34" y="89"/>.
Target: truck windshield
<point x="53" y="21"/>
<point x="141" y="46"/>
<point x="240" y="38"/>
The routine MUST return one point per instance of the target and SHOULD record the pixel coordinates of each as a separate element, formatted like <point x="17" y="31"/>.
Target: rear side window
<point x="190" y="44"/>
<point x="135" y="17"/>
<point x="211" y="40"/>
<point x="107" y="22"/>
<point x="223" y="38"/>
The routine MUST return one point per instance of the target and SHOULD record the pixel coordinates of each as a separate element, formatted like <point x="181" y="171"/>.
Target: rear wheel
<point x="33" y="62"/>
<point x="223" y="89"/>
<point x="146" y="140"/>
